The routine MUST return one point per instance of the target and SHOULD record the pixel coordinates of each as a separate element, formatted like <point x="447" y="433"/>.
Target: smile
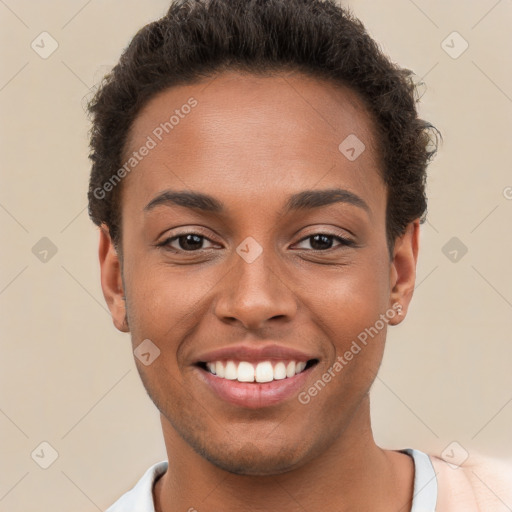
<point x="255" y="385"/>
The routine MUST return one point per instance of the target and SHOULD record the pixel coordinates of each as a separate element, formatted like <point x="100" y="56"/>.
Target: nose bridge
<point x="256" y="290"/>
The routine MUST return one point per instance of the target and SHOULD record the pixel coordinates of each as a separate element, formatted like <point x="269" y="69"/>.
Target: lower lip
<point x="254" y="395"/>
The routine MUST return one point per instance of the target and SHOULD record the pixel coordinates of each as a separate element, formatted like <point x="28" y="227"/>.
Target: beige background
<point x="68" y="377"/>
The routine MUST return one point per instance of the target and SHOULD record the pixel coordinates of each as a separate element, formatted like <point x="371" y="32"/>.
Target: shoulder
<point x="140" y="497"/>
<point x="478" y="483"/>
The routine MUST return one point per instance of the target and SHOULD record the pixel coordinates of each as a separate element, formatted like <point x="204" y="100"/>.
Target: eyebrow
<point x="307" y="199"/>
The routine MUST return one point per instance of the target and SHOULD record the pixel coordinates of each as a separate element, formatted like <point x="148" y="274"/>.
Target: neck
<point x="352" y="473"/>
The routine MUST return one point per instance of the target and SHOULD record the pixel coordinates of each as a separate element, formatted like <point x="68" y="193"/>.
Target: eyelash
<point x="344" y="242"/>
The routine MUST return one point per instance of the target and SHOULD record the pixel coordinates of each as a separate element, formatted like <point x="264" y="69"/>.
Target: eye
<point x="189" y="242"/>
<point x="324" y="241"/>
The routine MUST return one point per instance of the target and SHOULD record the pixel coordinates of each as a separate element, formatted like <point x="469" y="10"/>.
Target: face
<point x="285" y="260"/>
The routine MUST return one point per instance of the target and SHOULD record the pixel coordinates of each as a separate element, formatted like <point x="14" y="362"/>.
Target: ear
<point x="111" y="280"/>
<point x="403" y="270"/>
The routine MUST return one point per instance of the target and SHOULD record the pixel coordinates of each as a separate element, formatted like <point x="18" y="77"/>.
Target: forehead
<point x="241" y="132"/>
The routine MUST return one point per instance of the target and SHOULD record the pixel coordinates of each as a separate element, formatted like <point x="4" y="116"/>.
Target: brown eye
<point x="185" y="242"/>
<point x="324" y="241"/>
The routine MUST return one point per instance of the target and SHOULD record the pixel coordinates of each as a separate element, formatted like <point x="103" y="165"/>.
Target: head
<point x="258" y="175"/>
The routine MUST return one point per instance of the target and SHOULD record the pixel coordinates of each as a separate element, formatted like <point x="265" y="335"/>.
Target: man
<point x="259" y="181"/>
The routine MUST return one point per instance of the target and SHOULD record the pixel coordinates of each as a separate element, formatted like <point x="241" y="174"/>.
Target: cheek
<point x="350" y="307"/>
<point x="164" y="304"/>
<point x="350" y="298"/>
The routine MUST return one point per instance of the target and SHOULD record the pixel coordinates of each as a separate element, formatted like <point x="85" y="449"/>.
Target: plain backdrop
<point x="68" y="377"/>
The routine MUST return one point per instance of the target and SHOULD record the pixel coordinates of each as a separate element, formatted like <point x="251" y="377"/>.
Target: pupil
<point x="190" y="242"/>
<point x="324" y="238"/>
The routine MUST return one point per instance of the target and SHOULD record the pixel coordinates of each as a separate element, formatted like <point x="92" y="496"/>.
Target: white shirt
<point x="140" y="497"/>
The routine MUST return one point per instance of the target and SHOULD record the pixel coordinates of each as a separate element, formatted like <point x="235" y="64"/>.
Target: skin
<point x="251" y="142"/>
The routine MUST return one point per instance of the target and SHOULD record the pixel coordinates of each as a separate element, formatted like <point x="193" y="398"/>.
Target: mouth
<point x="255" y="384"/>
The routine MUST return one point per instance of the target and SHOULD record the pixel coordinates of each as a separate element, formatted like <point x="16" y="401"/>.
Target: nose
<point x="255" y="293"/>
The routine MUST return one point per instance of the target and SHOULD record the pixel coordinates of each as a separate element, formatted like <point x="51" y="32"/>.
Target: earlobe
<point x="111" y="280"/>
<point x="403" y="270"/>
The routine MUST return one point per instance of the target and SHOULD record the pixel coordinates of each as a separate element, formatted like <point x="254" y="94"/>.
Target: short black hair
<point x="198" y="39"/>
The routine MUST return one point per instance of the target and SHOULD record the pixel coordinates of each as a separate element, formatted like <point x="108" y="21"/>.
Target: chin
<point x="255" y="457"/>
<point x="251" y="461"/>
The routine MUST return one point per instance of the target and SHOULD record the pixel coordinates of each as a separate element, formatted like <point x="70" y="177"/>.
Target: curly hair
<point x="197" y="39"/>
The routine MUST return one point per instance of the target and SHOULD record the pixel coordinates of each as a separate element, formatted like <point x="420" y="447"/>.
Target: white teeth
<point x="231" y="372"/>
<point x="245" y="372"/>
<point x="219" y="369"/>
<point x="264" y="371"/>
<point x="300" y="366"/>
<point x="279" y="371"/>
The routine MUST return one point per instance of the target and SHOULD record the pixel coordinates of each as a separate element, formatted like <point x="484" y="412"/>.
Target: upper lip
<point x="253" y="353"/>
